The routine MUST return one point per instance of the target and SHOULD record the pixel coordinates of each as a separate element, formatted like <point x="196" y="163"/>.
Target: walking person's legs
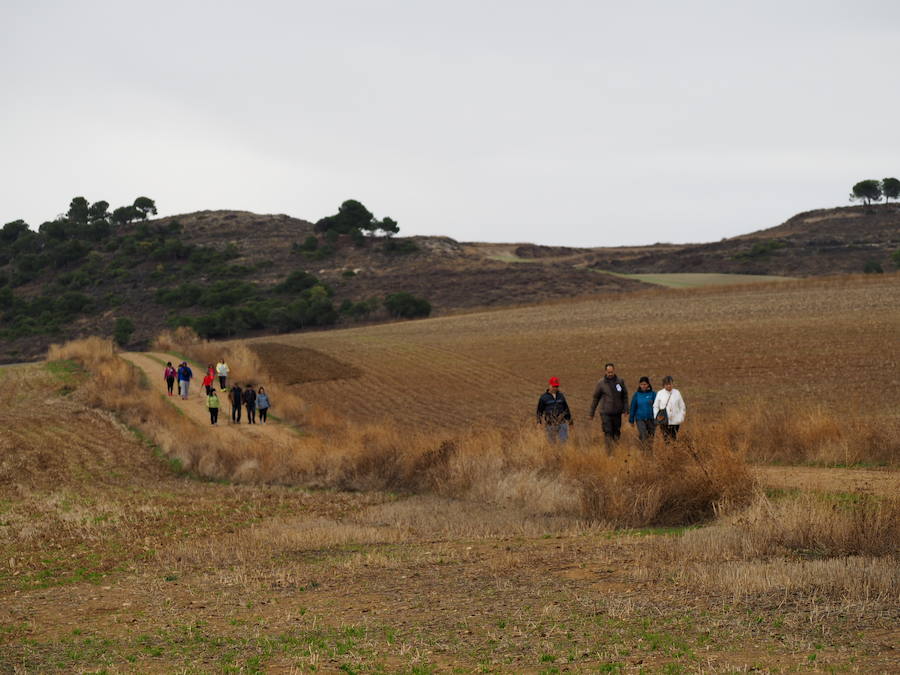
<point x="251" y="414"/>
<point x="222" y="382"/>
<point x="263" y="412"/>
<point x="187" y="388"/>
<point x="612" y="429"/>
<point x="212" y="415"/>
<point x="646" y="430"/>
<point x="170" y="384"/>
<point x="563" y="433"/>
<point x="236" y="413"/>
<point x="670" y="432"/>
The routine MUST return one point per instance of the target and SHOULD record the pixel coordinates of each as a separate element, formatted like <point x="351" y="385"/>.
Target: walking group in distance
<point x="647" y="410"/>
<point x="252" y="400"/>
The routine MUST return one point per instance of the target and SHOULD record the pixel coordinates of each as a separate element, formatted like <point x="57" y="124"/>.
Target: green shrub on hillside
<point x="761" y="249"/>
<point x="407" y="306"/>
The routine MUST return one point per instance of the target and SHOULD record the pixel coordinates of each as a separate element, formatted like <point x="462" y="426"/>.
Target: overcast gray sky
<point x="564" y="122"/>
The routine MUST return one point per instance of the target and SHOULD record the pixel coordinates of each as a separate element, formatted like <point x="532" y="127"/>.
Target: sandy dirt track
<point x="195" y="407"/>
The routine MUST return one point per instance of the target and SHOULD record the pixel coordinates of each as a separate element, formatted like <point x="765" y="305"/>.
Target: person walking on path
<point x="641" y="412"/>
<point x="553" y="412"/>
<point x="212" y="402"/>
<point x="222" y="372"/>
<point x="612" y="396"/>
<point x="249" y="397"/>
<point x="236" y="401"/>
<point x="208" y="383"/>
<point x="169" y="375"/>
<point x="262" y="404"/>
<point x="184" y="379"/>
<point x="669" y="409"/>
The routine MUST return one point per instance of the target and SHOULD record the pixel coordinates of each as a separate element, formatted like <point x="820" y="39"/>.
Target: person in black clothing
<point x="236" y="400"/>
<point x="612" y="396"/>
<point x="249" y="397"/>
<point x="553" y="412"/>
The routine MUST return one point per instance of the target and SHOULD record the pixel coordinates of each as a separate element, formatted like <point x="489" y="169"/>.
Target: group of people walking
<point x="647" y="410"/>
<point x="253" y="400"/>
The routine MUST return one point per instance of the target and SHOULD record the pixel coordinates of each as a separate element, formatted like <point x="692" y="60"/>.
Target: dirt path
<point x="195" y="407"/>
<point x="824" y="479"/>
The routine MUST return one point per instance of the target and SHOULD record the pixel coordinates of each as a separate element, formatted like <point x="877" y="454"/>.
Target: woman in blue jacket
<point x="641" y="412"/>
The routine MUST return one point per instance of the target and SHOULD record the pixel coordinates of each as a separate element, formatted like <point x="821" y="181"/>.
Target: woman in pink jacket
<point x="169" y="376"/>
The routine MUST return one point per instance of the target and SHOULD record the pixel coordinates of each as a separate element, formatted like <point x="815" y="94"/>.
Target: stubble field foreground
<point x="134" y="537"/>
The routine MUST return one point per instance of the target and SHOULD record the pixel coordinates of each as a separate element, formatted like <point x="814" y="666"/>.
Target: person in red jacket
<point x="208" y="383"/>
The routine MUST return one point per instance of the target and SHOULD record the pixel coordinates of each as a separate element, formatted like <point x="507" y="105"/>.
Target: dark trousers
<point x="263" y="412"/>
<point x="222" y="381"/>
<point x="209" y="390"/>
<point x="213" y="415"/>
<point x="170" y="383"/>
<point x="646" y="430"/>
<point x="612" y="428"/>
<point x="251" y="413"/>
<point x="236" y="412"/>
<point x="670" y="432"/>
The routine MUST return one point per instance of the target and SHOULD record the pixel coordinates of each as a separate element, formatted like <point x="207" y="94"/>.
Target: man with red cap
<point x="553" y="412"/>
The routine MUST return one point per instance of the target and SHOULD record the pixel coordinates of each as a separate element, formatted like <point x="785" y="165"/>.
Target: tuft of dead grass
<point x="831" y="546"/>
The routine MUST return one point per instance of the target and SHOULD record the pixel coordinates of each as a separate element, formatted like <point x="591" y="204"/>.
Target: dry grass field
<point x="402" y="513"/>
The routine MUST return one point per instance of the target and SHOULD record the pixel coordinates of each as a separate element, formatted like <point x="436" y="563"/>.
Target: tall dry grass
<point x="676" y="484"/>
<point x="766" y="432"/>
<point x="820" y="546"/>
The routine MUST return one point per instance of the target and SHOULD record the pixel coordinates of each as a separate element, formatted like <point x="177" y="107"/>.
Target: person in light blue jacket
<point x="641" y="412"/>
<point x="262" y="404"/>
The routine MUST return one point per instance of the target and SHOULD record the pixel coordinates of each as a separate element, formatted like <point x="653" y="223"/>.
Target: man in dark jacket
<point x="553" y="412"/>
<point x="612" y="396"/>
<point x="236" y="401"/>
<point x="250" y="401"/>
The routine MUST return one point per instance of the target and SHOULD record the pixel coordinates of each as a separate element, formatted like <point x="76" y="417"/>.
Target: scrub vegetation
<point x="136" y="538"/>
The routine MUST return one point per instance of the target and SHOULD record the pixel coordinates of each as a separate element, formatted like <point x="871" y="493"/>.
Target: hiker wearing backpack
<point x="184" y="379"/>
<point x="612" y="397"/>
<point x="249" y="397"/>
<point x="641" y="412"/>
<point x="669" y="409"/>
<point x="236" y="401"/>
<point x="169" y="375"/>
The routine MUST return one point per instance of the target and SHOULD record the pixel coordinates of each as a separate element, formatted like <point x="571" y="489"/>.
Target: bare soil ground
<point x="113" y="561"/>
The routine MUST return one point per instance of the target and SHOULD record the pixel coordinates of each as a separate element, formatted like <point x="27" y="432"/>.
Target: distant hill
<point x="825" y="241"/>
<point x="235" y="273"/>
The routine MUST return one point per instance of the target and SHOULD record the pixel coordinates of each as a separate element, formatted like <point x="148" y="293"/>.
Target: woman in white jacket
<point x="670" y="400"/>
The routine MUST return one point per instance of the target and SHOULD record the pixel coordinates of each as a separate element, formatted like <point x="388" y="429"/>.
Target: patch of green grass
<point x="67" y="371"/>
<point x="690" y="280"/>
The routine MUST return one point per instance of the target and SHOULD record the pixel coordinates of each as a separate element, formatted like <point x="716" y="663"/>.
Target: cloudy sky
<point x="565" y="122"/>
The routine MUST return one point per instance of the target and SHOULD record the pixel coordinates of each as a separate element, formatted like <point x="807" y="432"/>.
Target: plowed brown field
<point x="827" y="342"/>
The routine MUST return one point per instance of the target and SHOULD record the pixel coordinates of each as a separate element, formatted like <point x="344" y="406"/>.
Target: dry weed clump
<point x="825" y="546"/>
<point x="767" y="433"/>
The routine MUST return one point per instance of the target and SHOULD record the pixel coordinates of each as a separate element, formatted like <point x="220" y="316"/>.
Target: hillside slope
<point x="224" y="272"/>
<point x="825" y="241"/>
